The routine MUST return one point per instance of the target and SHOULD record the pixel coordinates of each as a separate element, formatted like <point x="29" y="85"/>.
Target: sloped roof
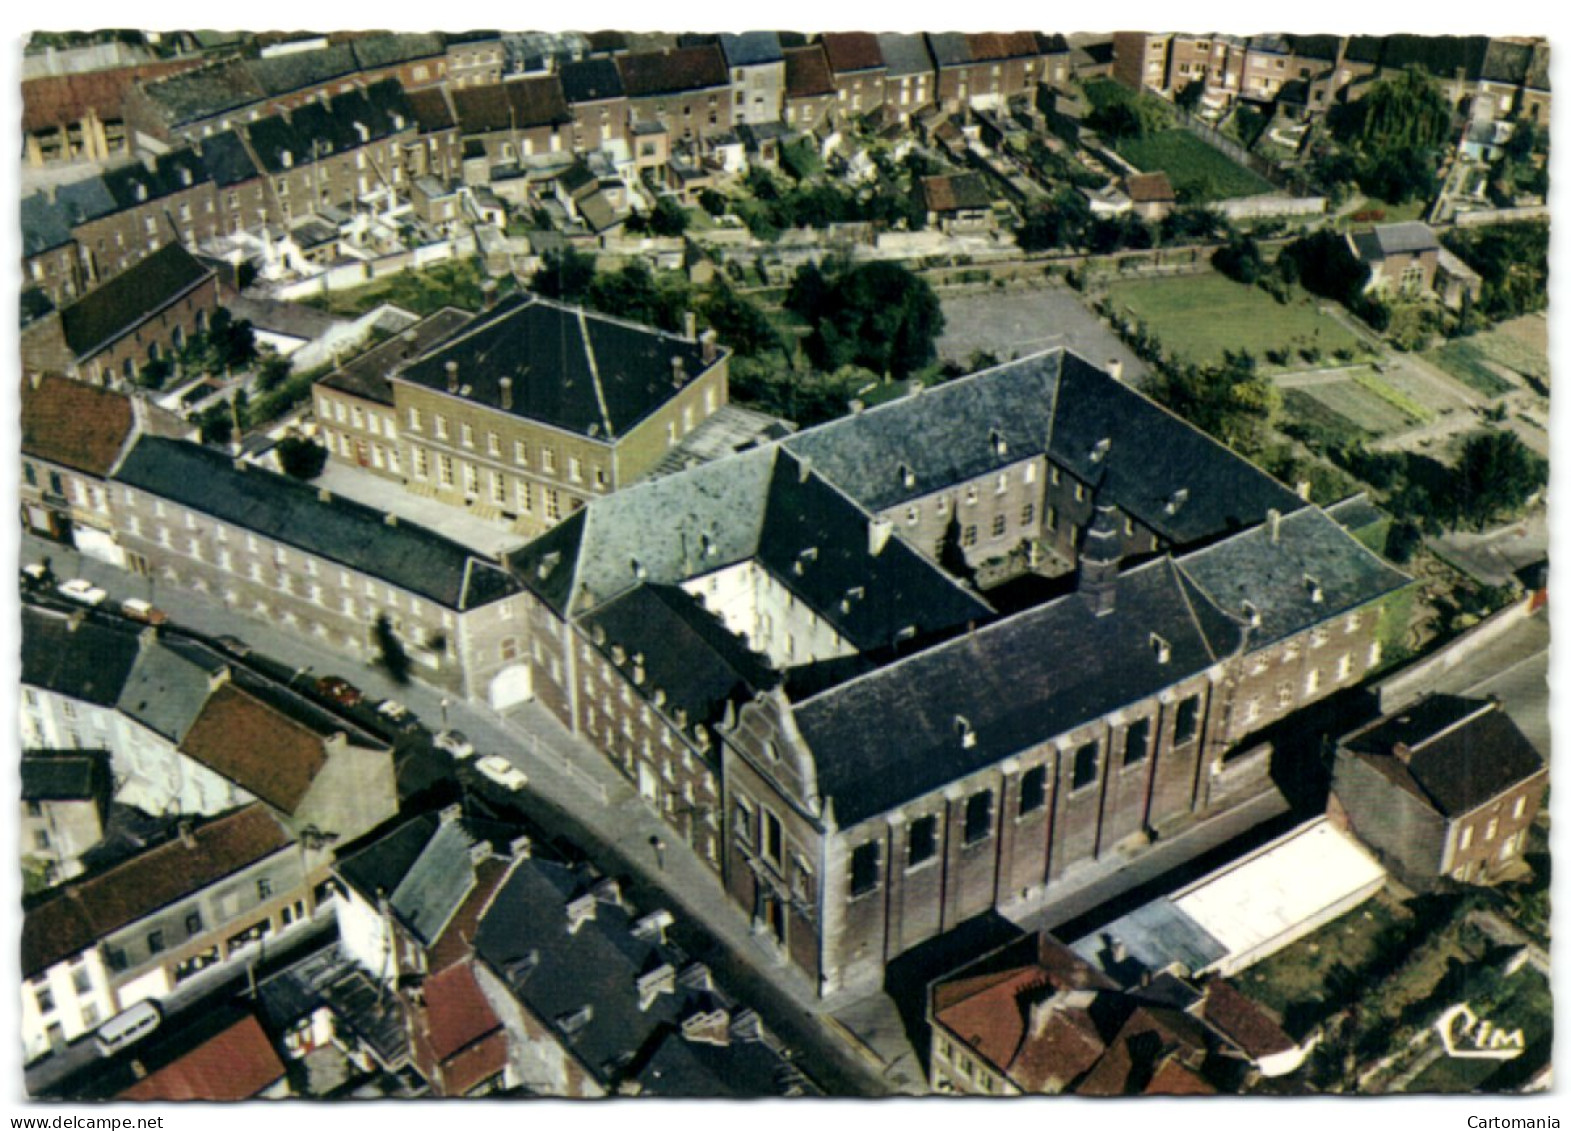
<point x="523" y="104"/>
<point x="1016" y="682"/>
<point x="648" y="74"/>
<point x="750" y="48"/>
<point x="167" y="174"/>
<point x="1245" y="1022"/>
<point x="1150" y="188"/>
<point x="297" y="70"/>
<point x="1463" y="753"/>
<point x="259" y="748"/>
<point x="80" y="913"/>
<point x="949" y="48"/>
<point x="65" y="775"/>
<point x="293" y="513"/>
<point x="431" y="109"/>
<point x="391" y="48"/>
<point x="168" y="688"/>
<point x="851" y="51"/>
<point x="955" y="192"/>
<point x="458" y="1012"/>
<point x="226" y="160"/>
<point x="74" y="424"/>
<point x="366" y="375"/>
<point x="590" y="80"/>
<point x="582" y="372"/>
<point x="85" y="659"/>
<point x="191" y="96"/>
<point x="107" y="313"/>
<point x="238" y="1064"/>
<point x="807" y="73"/>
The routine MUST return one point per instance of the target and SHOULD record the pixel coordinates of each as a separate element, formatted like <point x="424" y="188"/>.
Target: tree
<point x="564" y="274"/>
<point x="668" y="218"/>
<point x="1062" y="222"/>
<point x="272" y="372"/>
<point x="712" y="202"/>
<point x="1189" y="96"/>
<point x="1327" y="267"/>
<point x="301" y="458"/>
<point x="739" y="322"/>
<point x="1496" y="475"/>
<point x="1240" y="260"/>
<point x="1193" y="223"/>
<point x="390" y="650"/>
<point x="878" y="316"/>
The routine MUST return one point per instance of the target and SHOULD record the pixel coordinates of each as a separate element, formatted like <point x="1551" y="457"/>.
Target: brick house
<point x="1445" y="787"/>
<point x="515" y="123"/>
<point x="475" y="58"/>
<point x="144" y="315"/>
<point x="436" y="150"/>
<point x="139" y="929"/>
<point x="910" y="79"/>
<point x="72" y="436"/>
<point x="1402" y="258"/>
<point x="958" y="202"/>
<point x="810" y="95"/>
<point x="758" y="76"/>
<point x="685" y="90"/>
<point x="857" y="66"/>
<point x="79" y="116"/>
<point x="1013" y="771"/>
<point x="595" y="100"/>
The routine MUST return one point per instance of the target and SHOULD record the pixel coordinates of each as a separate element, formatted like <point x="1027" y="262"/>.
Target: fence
<point x="1256" y="207"/>
<point x="1410" y="682"/>
<point x="1500" y="216"/>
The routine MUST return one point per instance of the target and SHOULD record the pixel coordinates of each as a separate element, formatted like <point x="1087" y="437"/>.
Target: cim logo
<point x="1467" y="1037"/>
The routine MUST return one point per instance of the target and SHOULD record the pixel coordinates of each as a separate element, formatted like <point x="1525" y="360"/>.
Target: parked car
<point x="233" y="645"/>
<point x="83" y="591"/>
<point x="502" y="772"/>
<point x="454" y="742"/>
<point x="36" y="575"/>
<point x="138" y="609"/>
<point x="397" y="714"/>
<point x="339" y="690"/>
<point x="128" y="1027"/>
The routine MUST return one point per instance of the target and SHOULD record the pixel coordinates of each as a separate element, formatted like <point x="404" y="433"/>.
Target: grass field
<point x="1199" y="173"/>
<point x="1301" y="406"/>
<point x="1361" y="408"/>
<point x="451" y="283"/>
<point x="1528" y="1008"/>
<point x="1199" y="316"/>
<point x="1297" y="975"/>
<point x="1466" y="361"/>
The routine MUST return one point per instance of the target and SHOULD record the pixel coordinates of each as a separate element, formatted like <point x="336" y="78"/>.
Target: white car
<point x="393" y="710"/>
<point x="503" y="772"/>
<point x="84" y="592"/>
<point x="454" y="742"/>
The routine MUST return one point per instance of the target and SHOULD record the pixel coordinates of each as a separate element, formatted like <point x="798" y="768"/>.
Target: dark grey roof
<point x="293" y="513"/>
<point x="344" y="123"/>
<point x="1153" y="456"/>
<point x="169" y="173"/>
<point x="437" y="883"/>
<point x="1356" y="512"/>
<point x="949" y="48"/>
<point x="751" y="48"/>
<point x="297" y="70"/>
<point x="1406" y="238"/>
<point x="45" y="225"/>
<point x="904" y="54"/>
<point x="75" y="656"/>
<point x="581" y="372"/>
<point x="687" y="652"/>
<point x="591" y="80"/>
<point x="1319" y="47"/>
<point x="390" y="862"/>
<point x="1271" y="44"/>
<point x="191" y="96"/>
<point x="1444" y="56"/>
<point x="1155" y="935"/>
<point x="35" y="303"/>
<point x="1312" y="571"/>
<point x="396" y="47"/>
<point x="226" y="159"/>
<point x="167" y="689"/>
<point x="107" y="313"/>
<point x="1463" y="752"/>
<point x="582" y="985"/>
<point x="85" y="199"/>
<point x="65" y="775"/>
<point x="740" y="1069"/>
<point x="938" y="438"/>
<point x="893" y="735"/>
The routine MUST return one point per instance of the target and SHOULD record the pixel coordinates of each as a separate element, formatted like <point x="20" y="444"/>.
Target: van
<point x="137" y="609"/>
<point x="128" y="1027"/>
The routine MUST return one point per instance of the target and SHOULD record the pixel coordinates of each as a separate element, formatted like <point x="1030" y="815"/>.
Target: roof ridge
<point x="594" y="373"/>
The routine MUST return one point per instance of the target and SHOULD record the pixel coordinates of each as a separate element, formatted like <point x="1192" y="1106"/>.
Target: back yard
<point x="1199" y="174"/>
<point x="1197" y="317"/>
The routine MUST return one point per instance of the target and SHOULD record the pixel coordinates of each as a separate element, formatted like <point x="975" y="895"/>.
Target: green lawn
<point x="1199" y="173"/>
<point x="1297" y="975"/>
<point x="455" y="282"/>
<point x="1199" y="316"/>
<point x="1528" y="1008"/>
<point x="1363" y="408"/>
<point x="1465" y="360"/>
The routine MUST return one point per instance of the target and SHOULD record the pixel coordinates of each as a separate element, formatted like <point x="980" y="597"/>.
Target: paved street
<point x="1019" y="321"/>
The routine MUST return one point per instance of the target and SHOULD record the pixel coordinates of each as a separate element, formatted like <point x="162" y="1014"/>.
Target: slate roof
<point x="751" y="48"/>
<point x="742" y="1069"/>
<point x="590" y="80"/>
<point x="523" y="104"/>
<point x="366" y="375"/>
<point x="237" y="1064"/>
<point x="1407" y="238"/>
<point x="225" y="158"/>
<point x="376" y="51"/>
<point x="65" y="775"/>
<point x="688" y="653"/>
<point x="1155" y="935"/>
<point x="1322" y="48"/>
<point x="104" y="315"/>
<point x="581" y="372"/>
<point x="852" y="51"/>
<point x="949" y="48"/>
<point x="84" y="659"/>
<point x="1464" y="752"/>
<point x="653" y="73"/>
<point x="79" y="914"/>
<point x="1016" y="682"/>
<point x="807" y="73"/>
<point x="291" y="512"/>
<point x="260" y="749"/>
<point x="45" y="224"/>
<point x="1441" y="55"/>
<point x="956" y="192"/>
<point x="1050" y="44"/>
<point x="904" y="54"/>
<point x="431" y="109"/>
<point x="942" y="436"/>
<point x="556" y="975"/>
<point x="1313" y="553"/>
<point x="168" y="689"/>
<point x="169" y="173"/>
<point x="74" y="424"/>
<point x="324" y="129"/>
<point x="191" y="96"/>
<point x="54" y="100"/>
<point x="1356" y="512"/>
<point x="298" y="70"/>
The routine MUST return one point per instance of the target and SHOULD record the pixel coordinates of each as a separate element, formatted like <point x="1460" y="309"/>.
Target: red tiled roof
<point x="1246" y="1023"/>
<point x="1174" y="1078"/>
<point x="1055" y="1057"/>
<point x="669" y="72"/>
<point x="1150" y="188"/>
<point x="237" y="1064"/>
<point x="57" y="100"/>
<point x="851" y="51"/>
<point x="430" y="108"/>
<point x="83" y="912"/>
<point x="257" y="747"/>
<point x="456" y="941"/>
<point x="990" y="1019"/>
<point x="74" y="424"/>
<point x="807" y="73"/>
<point x="991" y="45"/>
<point x="462" y="1036"/>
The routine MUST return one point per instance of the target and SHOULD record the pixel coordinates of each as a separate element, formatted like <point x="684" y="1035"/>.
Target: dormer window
<point x="964" y="731"/>
<point x="1000" y="445"/>
<point x="907" y="477"/>
<point x="1162" y="649"/>
<point x="1316" y="592"/>
<point x="1099" y="453"/>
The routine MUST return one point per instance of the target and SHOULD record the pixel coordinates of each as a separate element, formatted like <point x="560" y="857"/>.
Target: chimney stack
<point x="690" y="326"/>
<point x="1274" y="517"/>
<point x="1100" y="555"/>
<point x="711" y="348"/>
<point x="1115" y="368"/>
<point x="678" y="371"/>
<point x="1403" y="752"/>
<point x="507" y="394"/>
<point x="452" y="376"/>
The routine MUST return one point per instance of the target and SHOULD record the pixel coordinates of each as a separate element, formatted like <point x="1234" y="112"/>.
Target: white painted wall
<point x="73" y="1011"/>
<point x="758" y="608"/>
